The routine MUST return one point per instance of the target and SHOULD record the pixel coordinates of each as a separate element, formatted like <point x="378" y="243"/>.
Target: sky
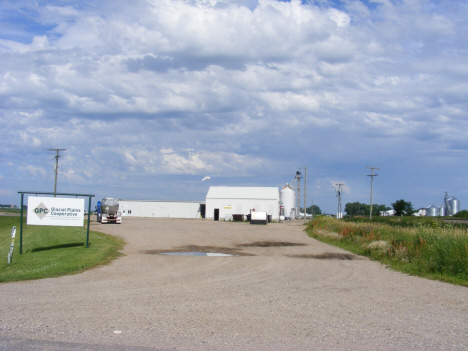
<point x="149" y="97"/>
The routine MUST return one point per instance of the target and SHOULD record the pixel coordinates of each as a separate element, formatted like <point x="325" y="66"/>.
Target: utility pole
<point x="371" y="184"/>
<point x="305" y="193"/>
<point x="298" y="194"/>
<point x="338" y="195"/>
<point x="57" y="156"/>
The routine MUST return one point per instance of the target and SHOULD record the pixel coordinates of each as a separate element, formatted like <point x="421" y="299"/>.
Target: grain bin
<point x="442" y="210"/>
<point x="432" y="211"/>
<point x="454" y="204"/>
<point x="288" y="198"/>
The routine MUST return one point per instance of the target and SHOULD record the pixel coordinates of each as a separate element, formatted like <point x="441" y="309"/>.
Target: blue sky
<point x="150" y="97"/>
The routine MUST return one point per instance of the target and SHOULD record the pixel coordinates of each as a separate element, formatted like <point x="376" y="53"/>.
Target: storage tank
<point x="454" y="204"/>
<point x="288" y="197"/>
<point x="109" y="205"/>
<point x="432" y="211"/>
<point x="442" y="211"/>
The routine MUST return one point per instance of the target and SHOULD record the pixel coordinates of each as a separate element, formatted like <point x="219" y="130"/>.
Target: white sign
<point x="55" y="211"/>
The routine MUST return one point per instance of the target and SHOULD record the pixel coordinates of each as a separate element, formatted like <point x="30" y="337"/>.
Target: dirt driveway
<point x="283" y="291"/>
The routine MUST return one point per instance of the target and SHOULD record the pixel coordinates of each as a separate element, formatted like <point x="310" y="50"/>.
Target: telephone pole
<point x="305" y="194"/>
<point x="338" y="195"/>
<point x="57" y="156"/>
<point x="298" y="194"/>
<point x="372" y="181"/>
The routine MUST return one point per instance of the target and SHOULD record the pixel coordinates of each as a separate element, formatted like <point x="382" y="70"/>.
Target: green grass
<point x="52" y="251"/>
<point x="424" y="247"/>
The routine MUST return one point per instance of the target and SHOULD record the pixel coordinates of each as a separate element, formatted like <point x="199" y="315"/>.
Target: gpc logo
<point x="41" y="210"/>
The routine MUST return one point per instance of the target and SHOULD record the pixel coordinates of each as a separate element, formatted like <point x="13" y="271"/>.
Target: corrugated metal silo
<point x="442" y="210"/>
<point x="432" y="211"/>
<point x="454" y="204"/>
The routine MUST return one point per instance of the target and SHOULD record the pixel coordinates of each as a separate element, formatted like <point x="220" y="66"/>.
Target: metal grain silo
<point x="454" y="204"/>
<point x="288" y="197"/>
<point x="432" y="211"/>
<point x="442" y="211"/>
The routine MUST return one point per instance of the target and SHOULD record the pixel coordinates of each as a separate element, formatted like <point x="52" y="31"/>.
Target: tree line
<point x="401" y="208"/>
<point x="352" y="209"/>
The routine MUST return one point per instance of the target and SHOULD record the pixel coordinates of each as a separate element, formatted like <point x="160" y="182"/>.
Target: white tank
<point x="432" y="211"/>
<point x="442" y="211"/>
<point x="454" y="204"/>
<point x="288" y="197"/>
<point x="109" y="205"/>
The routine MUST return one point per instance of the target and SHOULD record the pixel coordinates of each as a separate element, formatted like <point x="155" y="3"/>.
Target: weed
<point x="427" y="247"/>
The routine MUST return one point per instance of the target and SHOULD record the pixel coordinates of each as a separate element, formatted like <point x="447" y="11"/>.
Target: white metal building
<point x="222" y="201"/>
<point x="167" y="209"/>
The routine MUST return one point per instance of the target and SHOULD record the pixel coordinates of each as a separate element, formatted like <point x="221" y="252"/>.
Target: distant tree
<point x="461" y="214"/>
<point x="356" y="209"/>
<point x="360" y="209"/>
<point x="317" y="210"/>
<point x="403" y="208"/>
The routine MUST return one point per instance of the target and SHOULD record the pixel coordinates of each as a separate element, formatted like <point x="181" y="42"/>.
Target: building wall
<point x="167" y="209"/>
<point x="233" y="200"/>
<point x="241" y="206"/>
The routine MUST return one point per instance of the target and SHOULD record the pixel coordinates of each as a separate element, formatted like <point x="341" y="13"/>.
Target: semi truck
<point x="107" y="211"/>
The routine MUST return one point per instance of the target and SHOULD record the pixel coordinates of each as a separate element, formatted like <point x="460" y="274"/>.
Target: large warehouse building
<point x="227" y="201"/>
<point x="221" y="204"/>
<point x="166" y="209"/>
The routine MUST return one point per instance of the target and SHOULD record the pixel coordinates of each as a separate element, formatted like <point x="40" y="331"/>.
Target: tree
<point x="403" y="208"/>
<point x="317" y="210"/>
<point x="360" y="209"/>
<point x="356" y="209"/>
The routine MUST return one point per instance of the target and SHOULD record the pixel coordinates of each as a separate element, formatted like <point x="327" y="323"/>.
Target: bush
<point x="461" y="214"/>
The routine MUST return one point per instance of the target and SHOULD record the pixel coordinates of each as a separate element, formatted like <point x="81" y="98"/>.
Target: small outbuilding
<point x="225" y="202"/>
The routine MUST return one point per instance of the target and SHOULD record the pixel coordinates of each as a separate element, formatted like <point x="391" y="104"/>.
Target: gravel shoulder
<point x="284" y="291"/>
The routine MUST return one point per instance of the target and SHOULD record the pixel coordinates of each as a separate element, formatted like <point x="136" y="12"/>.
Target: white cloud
<point x="245" y="85"/>
<point x="34" y="170"/>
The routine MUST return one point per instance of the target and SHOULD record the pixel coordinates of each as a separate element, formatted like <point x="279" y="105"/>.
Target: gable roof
<point x="258" y="193"/>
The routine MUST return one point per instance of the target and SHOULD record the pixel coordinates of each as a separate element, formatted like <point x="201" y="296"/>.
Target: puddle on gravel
<point x="195" y="250"/>
<point x="270" y="244"/>
<point x="195" y="253"/>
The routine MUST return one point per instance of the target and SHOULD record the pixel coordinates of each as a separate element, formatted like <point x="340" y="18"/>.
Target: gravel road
<point x="283" y="291"/>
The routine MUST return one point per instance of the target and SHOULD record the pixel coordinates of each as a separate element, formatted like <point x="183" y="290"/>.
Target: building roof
<point x="258" y="193"/>
<point x="178" y="201"/>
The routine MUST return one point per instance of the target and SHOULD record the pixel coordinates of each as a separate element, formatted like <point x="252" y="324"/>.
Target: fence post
<point x="10" y="254"/>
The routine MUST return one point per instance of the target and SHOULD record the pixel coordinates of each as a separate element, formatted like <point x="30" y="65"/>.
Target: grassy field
<point x="426" y="247"/>
<point x="52" y="251"/>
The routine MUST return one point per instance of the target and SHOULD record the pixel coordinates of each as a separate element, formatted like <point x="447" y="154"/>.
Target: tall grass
<point x="52" y="251"/>
<point x="424" y="247"/>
